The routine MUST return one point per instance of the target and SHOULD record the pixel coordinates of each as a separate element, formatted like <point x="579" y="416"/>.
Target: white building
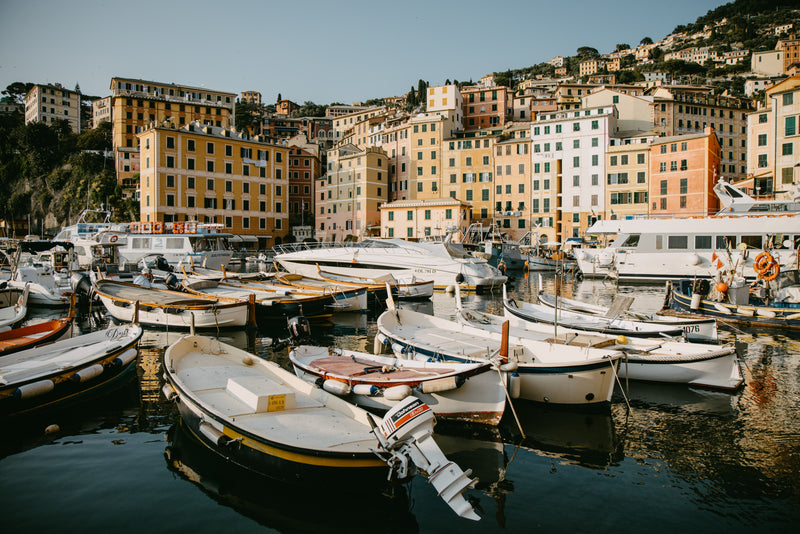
<point x="634" y="113"/>
<point x="47" y="103"/>
<point x="447" y="98"/>
<point x="769" y="63"/>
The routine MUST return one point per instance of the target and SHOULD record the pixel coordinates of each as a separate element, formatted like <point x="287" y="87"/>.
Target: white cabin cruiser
<point x="189" y="243"/>
<point x="445" y="263"/>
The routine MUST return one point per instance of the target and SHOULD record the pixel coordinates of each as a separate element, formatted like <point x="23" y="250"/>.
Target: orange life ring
<point x="135" y="228"/>
<point x="158" y="228"/>
<point x="177" y="227"/>
<point x="762" y="262"/>
<point x="774" y="267"/>
<point x="190" y="227"/>
<point x="113" y="239"/>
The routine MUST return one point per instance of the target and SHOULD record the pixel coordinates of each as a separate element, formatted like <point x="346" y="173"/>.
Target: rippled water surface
<point x="681" y="458"/>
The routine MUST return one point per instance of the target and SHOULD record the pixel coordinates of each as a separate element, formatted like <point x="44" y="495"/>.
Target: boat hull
<point x="166" y="317"/>
<point x="716" y="372"/>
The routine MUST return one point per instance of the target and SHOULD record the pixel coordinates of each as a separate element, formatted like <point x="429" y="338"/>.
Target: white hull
<point x="39" y="295"/>
<point x="720" y="373"/>
<point x="205" y="318"/>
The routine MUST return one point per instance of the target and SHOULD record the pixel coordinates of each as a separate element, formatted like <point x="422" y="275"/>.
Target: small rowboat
<point x="406" y="288"/>
<point x="13" y="306"/>
<point x="65" y="371"/>
<point x="169" y="309"/>
<point x="471" y="392"/>
<point x="349" y="298"/>
<point x="255" y="414"/>
<point x="26" y="337"/>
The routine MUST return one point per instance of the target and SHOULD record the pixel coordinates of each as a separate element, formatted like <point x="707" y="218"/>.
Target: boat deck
<point x="159" y="297"/>
<point x="348" y="367"/>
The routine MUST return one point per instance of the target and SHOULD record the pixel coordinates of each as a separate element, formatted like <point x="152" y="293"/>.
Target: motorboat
<point x="536" y="370"/>
<point x="402" y="288"/>
<point x="694" y="329"/>
<point x="255" y="414"/>
<point x="52" y="375"/>
<point x="128" y="302"/>
<point x="13" y="306"/>
<point x="469" y="392"/>
<point x="647" y="359"/>
<point x="190" y="242"/>
<point x="45" y="268"/>
<point x="443" y="262"/>
<point x="96" y="244"/>
<point x="656" y="250"/>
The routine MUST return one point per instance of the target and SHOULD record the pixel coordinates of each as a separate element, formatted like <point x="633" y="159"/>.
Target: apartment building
<point x="280" y="127"/>
<point x="634" y="112"/>
<point x="484" y="107"/>
<point x="395" y="140"/>
<point x="428" y="130"/>
<point x="591" y="66"/>
<point x="303" y="170"/>
<point x="101" y="111"/>
<point x="47" y="103"/>
<point x="285" y="107"/>
<point x="568" y="95"/>
<point x="791" y="51"/>
<point x="415" y="219"/>
<point x="467" y="175"/>
<point x="205" y="173"/>
<point x="137" y="104"/>
<point x="353" y="127"/>
<point x="341" y="110"/>
<point x="683" y="170"/>
<point x="447" y="99"/>
<point x="512" y="189"/>
<point x="774" y="140"/>
<point x="569" y="162"/>
<point x="350" y="195"/>
<point x="769" y="63"/>
<point x="251" y="97"/>
<point x="627" y="177"/>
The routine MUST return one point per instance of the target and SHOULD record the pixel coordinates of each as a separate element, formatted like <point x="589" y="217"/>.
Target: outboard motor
<point x="299" y="328"/>
<point x="162" y="264"/>
<point x="82" y="287"/>
<point x="172" y="282"/>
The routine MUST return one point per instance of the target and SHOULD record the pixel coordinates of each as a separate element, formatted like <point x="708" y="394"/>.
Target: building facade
<point x="415" y="219"/>
<point x="48" y="103"/>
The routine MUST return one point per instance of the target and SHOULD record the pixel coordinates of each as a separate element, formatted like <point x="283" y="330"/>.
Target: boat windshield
<point x="202" y="243"/>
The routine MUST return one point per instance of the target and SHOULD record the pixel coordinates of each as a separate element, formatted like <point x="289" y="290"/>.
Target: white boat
<point x="699" y="329"/>
<point x="262" y="417"/>
<point x="129" y="303"/>
<point x="50" y="375"/>
<point x="190" y="242"/>
<point x="13" y="306"/>
<point x="647" y="359"/>
<point x="44" y="267"/>
<point x="96" y="244"/>
<point x="443" y="262"/>
<point x="655" y="250"/>
<point x="470" y="392"/>
<point x="407" y="288"/>
<point x="537" y="370"/>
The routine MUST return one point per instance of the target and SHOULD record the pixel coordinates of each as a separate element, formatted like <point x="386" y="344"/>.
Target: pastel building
<point x="427" y="132"/>
<point x="48" y="103"/>
<point x="627" y="178"/>
<point x="101" y="111"/>
<point x="484" y="107"/>
<point x="415" y="219"/>
<point x="447" y="98"/>
<point x="512" y="185"/>
<point x="210" y="174"/>
<point x="468" y="171"/>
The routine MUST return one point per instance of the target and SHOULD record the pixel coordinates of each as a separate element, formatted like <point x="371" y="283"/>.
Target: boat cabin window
<point x="678" y="242"/>
<point x="631" y="241"/>
<point x="753" y="241"/>
<point x="702" y="242"/>
<point x="659" y="242"/>
<point x="726" y="241"/>
<point x="140" y="242"/>
<point x="175" y="242"/>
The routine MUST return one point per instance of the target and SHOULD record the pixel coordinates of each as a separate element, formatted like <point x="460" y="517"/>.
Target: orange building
<point x="682" y="173"/>
<point x="484" y="107"/>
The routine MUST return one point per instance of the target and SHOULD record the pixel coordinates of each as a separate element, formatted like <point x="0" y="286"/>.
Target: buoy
<point x="527" y="265"/>
<point x="440" y="384"/>
<point x="52" y="429"/>
<point x="365" y="389"/>
<point x="396" y="393"/>
<point x="36" y="388"/>
<point x="459" y="278"/>
<point x="336" y="387"/>
<point x="766" y="313"/>
<point x="621" y="340"/>
<point x="722" y="287"/>
<point x="514" y="385"/>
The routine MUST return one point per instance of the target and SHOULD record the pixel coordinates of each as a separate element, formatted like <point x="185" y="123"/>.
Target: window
<point x="595" y="125"/>
<point x="170" y="161"/>
<point x="576" y="161"/>
<point x="210" y="184"/>
<point x="209" y="166"/>
<point x="762" y="139"/>
<point x="791" y="128"/>
<point x="678" y="242"/>
<point x="640" y="159"/>
<point x="762" y="160"/>
<point x="788" y="99"/>
<point x="663" y="187"/>
<point x="576" y="127"/>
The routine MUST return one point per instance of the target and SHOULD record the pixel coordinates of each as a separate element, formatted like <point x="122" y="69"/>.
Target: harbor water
<point x="679" y="458"/>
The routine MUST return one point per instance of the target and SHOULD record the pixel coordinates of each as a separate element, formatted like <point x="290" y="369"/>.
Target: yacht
<point x="655" y="250"/>
<point x="443" y="262"/>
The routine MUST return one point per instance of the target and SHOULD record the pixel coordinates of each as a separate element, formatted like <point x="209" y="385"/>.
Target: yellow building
<point x="414" y="219"/>
<point x="47" y="103"/>
<point x="210" y="174"/>
<point x="427" y="132"/>
<point x="351" y="193"/>
<point x="627" y="180"/>
<point x="137" y="104"/>
<point x="468" y="171"/>
<point x="512" y="161"/>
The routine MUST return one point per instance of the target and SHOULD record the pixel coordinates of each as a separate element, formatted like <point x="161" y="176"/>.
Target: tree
<point x="646" y="41"/>
<point x="587" y="52"/>
<point x="411" y="99"/>
<point x="248" y="116"/>
<point x="623" y="46"/>
<point x="17" y="91"/>
<point x="97" y="138"/>
<point x="279" y="98"/>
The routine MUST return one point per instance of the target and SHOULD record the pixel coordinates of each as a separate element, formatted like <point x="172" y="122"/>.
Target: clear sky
<point x="313" y="50"/>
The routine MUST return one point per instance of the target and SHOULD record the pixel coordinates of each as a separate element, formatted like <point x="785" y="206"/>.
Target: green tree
<point x="622" y="46"/>
<point x="248" y="116"/>
<point x="97" y="138"/>
<point x="17" y="91"/>
<point x="646" y="41"/>
<point x="587" y="52"/>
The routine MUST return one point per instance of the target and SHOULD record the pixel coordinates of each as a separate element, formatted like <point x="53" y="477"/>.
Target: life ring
<point x="177" y="227"/>
<point x="762" y="262"/>
<point x="113" y="239"/>
<point x="135" y="228"/>
<point x="190" y="227"/>
<point x="147" y="228"/>
<point x="768" y="276"/>
<point x="158" y="228"/>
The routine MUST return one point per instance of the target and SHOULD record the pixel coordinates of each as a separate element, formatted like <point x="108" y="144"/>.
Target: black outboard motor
<point x="82" y="287"/>
<point x="162" y="264"/>
<point x="172" y="282"/>
<point x="299" y="328"/>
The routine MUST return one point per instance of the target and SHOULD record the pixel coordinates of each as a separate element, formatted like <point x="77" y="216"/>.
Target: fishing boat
<point x="128" y="302"/>
<point x="270" y="302"/>
<point x="443" y="262"/>
<point x="402" y="288"/>
<point x="470" y="392"/>
<point x="45" y="268"/>
<point x="13" y="306"/>
<point x="25" y="337"/>
<point x="539" y="313"/>
<point x="348" y="298"/>
<point x="647" y="359"/>
<point x="537" y="370"/>
<point x="96" y="244"/>
<point x="52" y="375"/>
<point x="190" y="242"/>
<point x="694" y="329"/>
<point x="255" y="414"/>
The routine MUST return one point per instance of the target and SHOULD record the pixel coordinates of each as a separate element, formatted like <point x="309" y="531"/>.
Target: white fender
<point x="336" y="387"/>
<point x="396" y="393"/>
<point x="88" y="373"/>
<point x="32" y="390"/>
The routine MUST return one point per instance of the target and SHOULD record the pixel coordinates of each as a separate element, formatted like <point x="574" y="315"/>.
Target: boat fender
<point x="124" y="358"/>
<point x="396" y="393"/>
<point x="382" y="339"/>
<point x="169" y="392"/>
<point x="88" y="373"/>
<point x="745" y="312"/>
<point x="514" y="385"/>
<point x="336" y="387"/>
<point x="450" y="289"/>
<point x="793" y="316"/>
<point x="52" y="429"/>
<point x="509" y="367"/>
<point x="459" y="278"/>
<point x="441" y="384"/>
<point x="212" y="434"/>
<point x="722" y="308"/>
<point x="366" y="390"/>
<point x="766" y="313"/>
<point x="33" y="389"/>
<point x="622" y="340"/>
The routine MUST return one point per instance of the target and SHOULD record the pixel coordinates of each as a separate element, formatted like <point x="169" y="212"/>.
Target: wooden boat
<point x="26" y="337"/>
<point x="65" y="371"/>
<point x="472" y="392"/>
<point x="694" y="329"/>
<point x="193" y="272"/>
<point x="402" y="288"/>
<point x="13" y="306"/>
<point x="262" y="417"/>
<point x="270" y="303"/>
<point x="348" y="298"/>
<point x="169" y="309"/>
<point x="537" y="370"/>
<point x="539" y="313"/>
<point x="747" y="309"/>
<point x="647" y="359"/>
